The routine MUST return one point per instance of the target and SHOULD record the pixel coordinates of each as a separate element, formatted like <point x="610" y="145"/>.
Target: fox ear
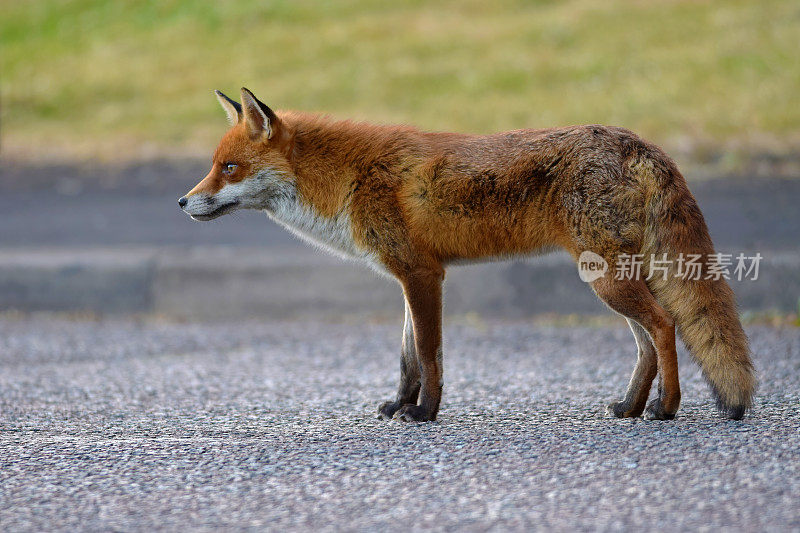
<point x="260" y="119"/>
<point x="233" y="109"/>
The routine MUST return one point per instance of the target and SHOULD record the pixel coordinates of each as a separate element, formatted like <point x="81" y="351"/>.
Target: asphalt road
<point x="135" y="426"/>
<point x="743" y="215"/>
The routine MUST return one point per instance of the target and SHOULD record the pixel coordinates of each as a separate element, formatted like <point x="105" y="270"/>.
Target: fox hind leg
<point x="633" y="299"/>
<point x="408" y="392"/>
<point x="642" y="377"/>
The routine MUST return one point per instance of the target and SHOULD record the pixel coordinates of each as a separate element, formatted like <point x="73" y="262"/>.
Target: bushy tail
<point x="704" y="310"/>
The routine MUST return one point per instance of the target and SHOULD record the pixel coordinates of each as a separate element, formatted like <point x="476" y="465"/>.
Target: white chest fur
<point x="333" y="234"/>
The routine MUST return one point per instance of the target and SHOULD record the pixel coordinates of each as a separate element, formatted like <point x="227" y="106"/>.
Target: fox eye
<point x="229" y="168"/>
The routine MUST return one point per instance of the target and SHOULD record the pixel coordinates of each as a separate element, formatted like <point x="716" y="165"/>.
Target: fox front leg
<point x="423" y="290"/>
<point x="408" y="391"/>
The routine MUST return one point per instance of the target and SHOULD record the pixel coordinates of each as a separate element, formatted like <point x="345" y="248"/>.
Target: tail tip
<point x="734" y="401"/>
<point x="735" y="412"/>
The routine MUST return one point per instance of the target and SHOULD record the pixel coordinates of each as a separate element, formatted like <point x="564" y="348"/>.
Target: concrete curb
<point x="232" y="282"/>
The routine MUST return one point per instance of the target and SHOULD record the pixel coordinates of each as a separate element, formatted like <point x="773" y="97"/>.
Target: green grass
<point x="134" y="78"/>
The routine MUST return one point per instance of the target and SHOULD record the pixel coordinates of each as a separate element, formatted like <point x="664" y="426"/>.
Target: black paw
<point x="386" y="410"/>
<point x="621" y="410"/>
<point x="655" y="411"/>
<point x="412" y="413"/>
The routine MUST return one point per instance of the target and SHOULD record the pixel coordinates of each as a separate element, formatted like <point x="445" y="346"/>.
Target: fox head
<point x="250" y="167"/>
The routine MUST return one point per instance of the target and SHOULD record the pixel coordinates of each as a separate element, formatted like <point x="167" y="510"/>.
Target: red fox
<point x="409" y="203"/>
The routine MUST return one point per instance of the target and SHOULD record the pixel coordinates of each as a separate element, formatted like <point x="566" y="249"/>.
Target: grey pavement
<point x="130" y="425"/>
<point x="301" y="282"/>
<point x="77" y="246"/>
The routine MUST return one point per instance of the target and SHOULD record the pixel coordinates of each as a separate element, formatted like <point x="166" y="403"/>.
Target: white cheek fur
<point x="250" y="193"/>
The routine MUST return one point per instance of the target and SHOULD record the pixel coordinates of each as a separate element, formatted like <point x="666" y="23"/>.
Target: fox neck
<point x="316" y="206"/>
<point x="328" y="157"/>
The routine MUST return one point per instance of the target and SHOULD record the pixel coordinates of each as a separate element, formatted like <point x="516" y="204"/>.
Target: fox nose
<point x="182" y="201"/>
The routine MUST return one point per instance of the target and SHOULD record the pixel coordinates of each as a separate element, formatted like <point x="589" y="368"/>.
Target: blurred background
<point x="108" y="117"/>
